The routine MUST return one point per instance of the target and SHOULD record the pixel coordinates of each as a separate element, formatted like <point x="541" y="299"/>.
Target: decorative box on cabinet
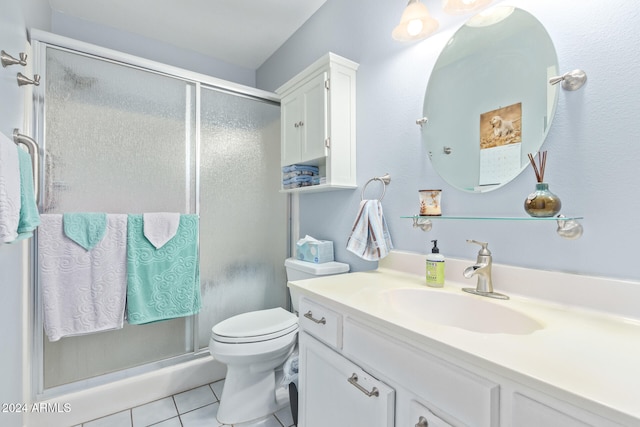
<point x="318" y="121"/>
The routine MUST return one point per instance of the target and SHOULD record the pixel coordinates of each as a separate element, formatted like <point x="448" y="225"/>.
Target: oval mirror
<point x="488" y="101"/>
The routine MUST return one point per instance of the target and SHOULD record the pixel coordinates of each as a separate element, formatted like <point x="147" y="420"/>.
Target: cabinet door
<point x="291" y="110"/>
<point x="336" y="392"/>
<point x="528" y="412"/>
<point x="315" y="117"/>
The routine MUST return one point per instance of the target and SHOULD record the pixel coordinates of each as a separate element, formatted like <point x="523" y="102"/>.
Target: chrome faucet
<point x="482" y="269"/>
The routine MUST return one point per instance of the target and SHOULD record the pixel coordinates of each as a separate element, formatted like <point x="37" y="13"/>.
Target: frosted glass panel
<point x="118" y="140"/>
<point x="115" y="137"/>
<point x="243" y="236"/>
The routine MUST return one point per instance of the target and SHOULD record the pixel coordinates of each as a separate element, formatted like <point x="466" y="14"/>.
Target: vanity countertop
<point x="580" y="355"/>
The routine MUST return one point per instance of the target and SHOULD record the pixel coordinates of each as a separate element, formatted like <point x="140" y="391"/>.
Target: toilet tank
<point x="301" y="270"/>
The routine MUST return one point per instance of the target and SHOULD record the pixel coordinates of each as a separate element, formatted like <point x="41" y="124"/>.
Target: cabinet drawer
<point x="321" y="322"/>
<point x="467" y="397"/>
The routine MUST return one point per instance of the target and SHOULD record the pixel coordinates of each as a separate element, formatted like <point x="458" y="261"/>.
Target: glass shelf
<point x="494" y="218"/>
<point x="568" y="227"/>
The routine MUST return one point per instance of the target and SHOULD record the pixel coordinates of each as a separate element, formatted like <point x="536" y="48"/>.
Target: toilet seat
<point x="255" y="326"/>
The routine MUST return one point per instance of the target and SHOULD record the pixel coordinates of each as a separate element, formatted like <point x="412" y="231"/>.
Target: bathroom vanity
<point x="380" y="348"/>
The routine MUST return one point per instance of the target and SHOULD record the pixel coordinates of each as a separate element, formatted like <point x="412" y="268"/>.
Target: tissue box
<point x="317" y="252"/>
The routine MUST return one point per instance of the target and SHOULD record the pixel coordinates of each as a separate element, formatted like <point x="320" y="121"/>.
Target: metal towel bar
<point x="34" y="152"/>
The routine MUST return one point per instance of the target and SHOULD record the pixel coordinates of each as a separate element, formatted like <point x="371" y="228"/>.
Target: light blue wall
<point x="13" y="41"/>
<point x="593" y="145"/>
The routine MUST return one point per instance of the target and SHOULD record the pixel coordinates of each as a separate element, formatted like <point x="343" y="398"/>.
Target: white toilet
<point x="254" y="346"/>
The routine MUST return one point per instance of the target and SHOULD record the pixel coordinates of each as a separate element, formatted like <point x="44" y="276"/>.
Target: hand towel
<point x="289" y="175"/>
<point x="9" y="190"/>
<point x="83" y="291"/>
<point x="294" y="168"/>
<point x="370" y="238"/>
<point x="162" y="283"/>
<point x="29" y="215"/>
<point x="87" y="229"/>
<point x="159" y="228"/>
<point x="301" y="178"/>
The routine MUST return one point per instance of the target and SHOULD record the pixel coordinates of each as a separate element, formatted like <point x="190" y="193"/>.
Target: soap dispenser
<point x="435" y="267"/>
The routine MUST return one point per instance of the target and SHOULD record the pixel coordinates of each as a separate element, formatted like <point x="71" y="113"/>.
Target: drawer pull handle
<point x="309" y="316"/>
<point x="422" y="422"/>
<point x="354" y="381"/>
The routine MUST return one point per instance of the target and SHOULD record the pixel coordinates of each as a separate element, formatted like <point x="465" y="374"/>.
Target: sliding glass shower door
<point x="119" y="138"/>
<point x="243" y="235"/>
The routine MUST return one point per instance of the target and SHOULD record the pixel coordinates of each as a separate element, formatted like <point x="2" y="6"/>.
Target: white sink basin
<point x="472" y="313"/>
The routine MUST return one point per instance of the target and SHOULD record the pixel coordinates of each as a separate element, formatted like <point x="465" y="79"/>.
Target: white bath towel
<point x="160" y="227"/>
<point x="9" y="190"/>
<point x="83" y="291"/>
<point x="370" y="238"/>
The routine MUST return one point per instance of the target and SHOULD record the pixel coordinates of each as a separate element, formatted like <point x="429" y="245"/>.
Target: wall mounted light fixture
<point x="415" y="24"/>
<point x="460" y="7"/>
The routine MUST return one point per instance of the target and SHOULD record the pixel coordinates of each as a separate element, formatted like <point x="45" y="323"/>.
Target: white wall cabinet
<point x="304" y="124"/>
<point x="318" y="122"/>
<point x="416" y="388"/>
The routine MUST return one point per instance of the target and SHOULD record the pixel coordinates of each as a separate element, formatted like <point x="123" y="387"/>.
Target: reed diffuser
<point x="541" y="203"/>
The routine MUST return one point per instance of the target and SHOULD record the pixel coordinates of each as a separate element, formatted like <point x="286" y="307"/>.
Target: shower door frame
<point x="40" y="41"/>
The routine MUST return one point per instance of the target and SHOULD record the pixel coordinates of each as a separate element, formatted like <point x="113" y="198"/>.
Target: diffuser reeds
<point x="539" y="168"/>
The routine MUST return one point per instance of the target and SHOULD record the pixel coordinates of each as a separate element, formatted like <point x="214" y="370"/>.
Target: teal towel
<point x="29" y="215"/>
<point x="86" y="229"/>
<point x="162" y="283"/>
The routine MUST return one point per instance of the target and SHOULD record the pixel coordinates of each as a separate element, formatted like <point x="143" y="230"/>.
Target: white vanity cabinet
<point x="337" y="392"/>
<point x="531" y="409"/>
<point x="427" y="386"/>
<point x="334" y="391"/>
<point x="345" y="360"/>
<point x="318" y="121"/>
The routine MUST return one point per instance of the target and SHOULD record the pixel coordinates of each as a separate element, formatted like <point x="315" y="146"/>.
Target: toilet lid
<point x="255" y="326"/>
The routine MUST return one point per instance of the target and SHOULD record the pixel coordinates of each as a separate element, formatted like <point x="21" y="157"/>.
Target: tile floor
<point x="192" y="408"/>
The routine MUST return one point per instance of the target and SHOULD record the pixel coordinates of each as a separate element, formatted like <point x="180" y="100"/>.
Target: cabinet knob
<point x="422" y="422"/>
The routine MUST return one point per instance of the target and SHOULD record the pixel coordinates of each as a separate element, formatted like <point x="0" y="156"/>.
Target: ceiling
<point x="240" y="32"/>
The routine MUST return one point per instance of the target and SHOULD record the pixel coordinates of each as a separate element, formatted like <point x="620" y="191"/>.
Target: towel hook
<point x="385" y="180"/>
<point x="7" y="59"/>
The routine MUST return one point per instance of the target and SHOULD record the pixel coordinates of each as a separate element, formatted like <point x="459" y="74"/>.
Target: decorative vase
<point x="542" y="203"/>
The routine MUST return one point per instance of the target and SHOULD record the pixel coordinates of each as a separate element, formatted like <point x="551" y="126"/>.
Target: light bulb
<point x="414" y="27"/>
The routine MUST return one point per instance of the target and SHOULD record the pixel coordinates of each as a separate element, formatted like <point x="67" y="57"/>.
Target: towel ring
<point x="385" y="180"/>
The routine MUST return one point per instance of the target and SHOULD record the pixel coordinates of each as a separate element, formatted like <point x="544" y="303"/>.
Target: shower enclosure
<point x="121" y="134"/>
